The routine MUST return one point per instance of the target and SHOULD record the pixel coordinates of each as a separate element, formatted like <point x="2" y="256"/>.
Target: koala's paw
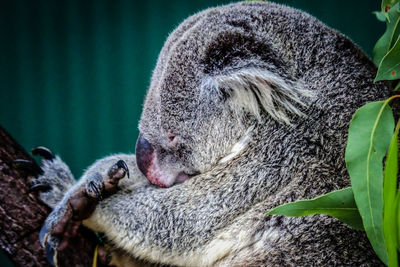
<point x="77" y="205"/>
<point x="101" y="185"/>
<point x="53" y="177"/>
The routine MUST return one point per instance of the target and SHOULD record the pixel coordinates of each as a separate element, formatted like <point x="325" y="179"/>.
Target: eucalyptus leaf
<point x="370" y="133"/>
<point x="381" y="16"/>
<point x="389" y="69"/>
<point x="389" y="199"/>
<point x="387" y="5"/>
<point x="384" y="43"/>
<point x="398" y="218"/>
<point x="339" y="204"/>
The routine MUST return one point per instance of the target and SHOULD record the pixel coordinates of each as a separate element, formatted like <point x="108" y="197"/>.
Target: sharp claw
<point x="39" y="187"/>
<point x="44" y="152"/>
<point x="51" y="255"/>
<point x="96" y="191"/>
<point x="28" y="165"/>
<point x="43" y="234"/>
<point x="122" y="164"/>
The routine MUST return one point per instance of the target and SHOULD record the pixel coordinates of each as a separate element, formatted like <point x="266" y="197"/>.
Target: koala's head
<point x="216" y="76"/>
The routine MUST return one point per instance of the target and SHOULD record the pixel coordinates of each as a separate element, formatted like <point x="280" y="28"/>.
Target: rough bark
<point x="22" y="214"/>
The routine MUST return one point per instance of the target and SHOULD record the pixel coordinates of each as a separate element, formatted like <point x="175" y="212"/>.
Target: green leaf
<point x="398" y="218"/>
<point x="387" y="5"/>
<point x="384" y="43"/>
<point x="381" y="16"/>
<point x="389" y="69"/>
<point x="370" y="133"/>
<point x="389" y="199"/>
<point x="339" y="204"/>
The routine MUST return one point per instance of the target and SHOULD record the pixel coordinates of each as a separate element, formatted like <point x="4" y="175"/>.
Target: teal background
<point x="73" y="74"/>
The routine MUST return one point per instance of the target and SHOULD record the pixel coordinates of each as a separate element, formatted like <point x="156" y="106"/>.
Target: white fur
<point x="238" y="147"/>
<point x="212" y="254"/>
<point x="249" y="88"/>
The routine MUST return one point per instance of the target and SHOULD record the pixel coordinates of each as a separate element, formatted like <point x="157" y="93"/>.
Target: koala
<point x="248" y="108"/>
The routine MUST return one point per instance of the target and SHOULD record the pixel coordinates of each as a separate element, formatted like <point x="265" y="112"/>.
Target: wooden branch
<point x="22" y="215"/>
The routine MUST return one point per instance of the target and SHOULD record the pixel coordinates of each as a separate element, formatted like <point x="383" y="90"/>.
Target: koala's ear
<point x="257" y="90"/>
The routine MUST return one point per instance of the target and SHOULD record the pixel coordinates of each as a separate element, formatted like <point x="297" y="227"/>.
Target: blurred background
<point x="73" y="74"/>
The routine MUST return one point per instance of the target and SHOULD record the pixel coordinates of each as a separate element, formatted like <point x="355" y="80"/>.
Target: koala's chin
<point x="148" y="162"/>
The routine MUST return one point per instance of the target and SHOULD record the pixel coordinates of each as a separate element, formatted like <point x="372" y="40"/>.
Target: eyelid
<point x="173" y="140"/>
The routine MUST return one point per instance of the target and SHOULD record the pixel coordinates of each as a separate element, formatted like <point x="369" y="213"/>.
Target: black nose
<point x="144" y="154"/>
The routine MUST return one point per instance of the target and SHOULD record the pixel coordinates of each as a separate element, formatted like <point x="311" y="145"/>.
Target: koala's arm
<point x="185" y="224"/>
<point x="182" y="225"/>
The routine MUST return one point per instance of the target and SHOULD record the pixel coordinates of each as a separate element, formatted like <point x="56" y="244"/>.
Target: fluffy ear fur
<point x="255" y="90"/>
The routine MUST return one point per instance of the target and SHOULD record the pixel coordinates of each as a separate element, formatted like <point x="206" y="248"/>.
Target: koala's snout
<point x="147" y="159"/>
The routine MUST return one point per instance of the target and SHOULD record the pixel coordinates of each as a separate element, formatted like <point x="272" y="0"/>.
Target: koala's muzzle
<point x="147" y="160"/>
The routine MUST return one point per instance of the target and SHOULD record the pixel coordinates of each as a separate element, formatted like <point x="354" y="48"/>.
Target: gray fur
<point x="58" y="175"/>
<point x="293" y="149"/>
